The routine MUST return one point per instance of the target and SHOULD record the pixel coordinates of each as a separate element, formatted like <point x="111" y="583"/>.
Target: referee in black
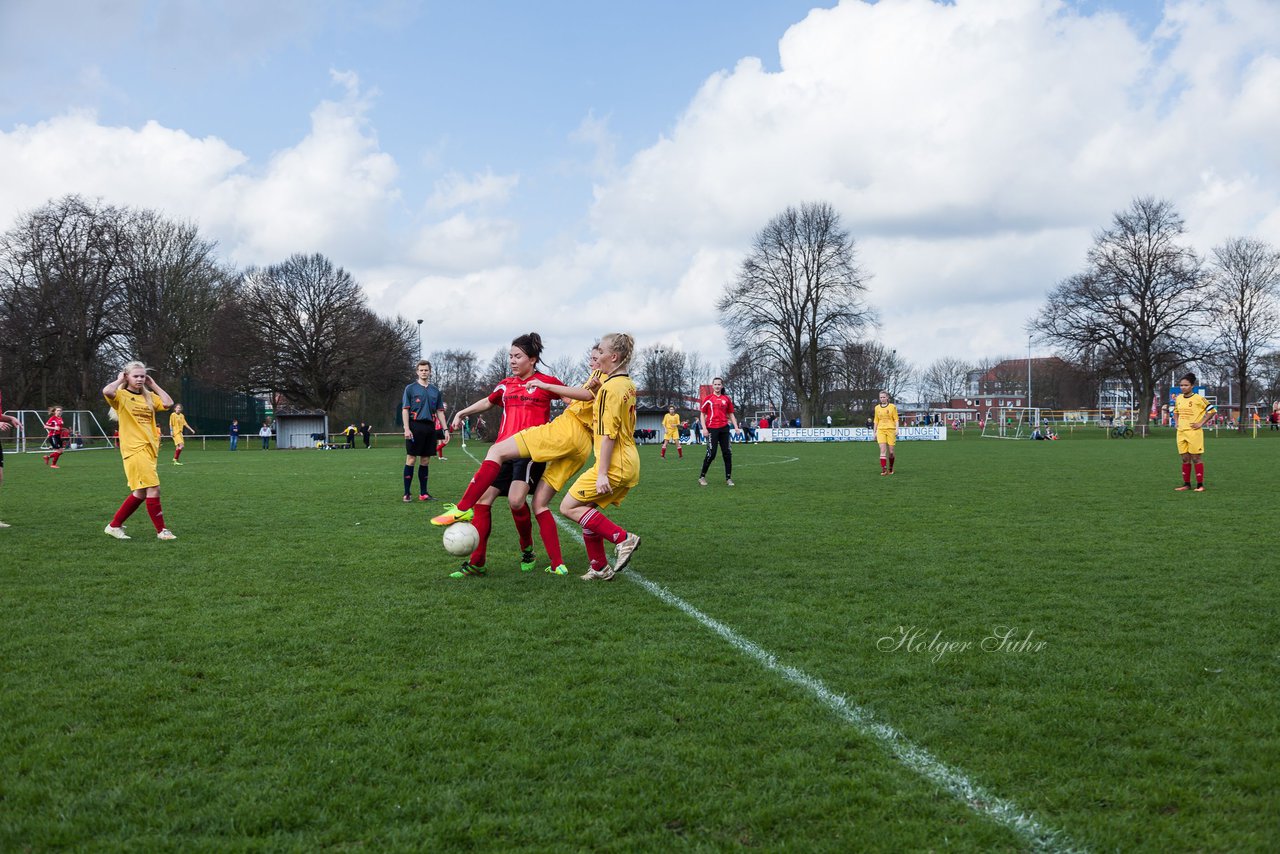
<point x="418" y="409"/>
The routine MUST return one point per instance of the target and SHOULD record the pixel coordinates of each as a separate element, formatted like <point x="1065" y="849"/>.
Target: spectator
<point x="265" y="435"/>
<point x="235" y="433"/>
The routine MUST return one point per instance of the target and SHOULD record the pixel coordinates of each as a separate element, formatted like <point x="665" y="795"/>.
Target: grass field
<point x="297" y="672"/>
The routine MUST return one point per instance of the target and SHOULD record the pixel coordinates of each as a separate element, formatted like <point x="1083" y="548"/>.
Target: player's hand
<point x="457" y="424"/>
<point x="408" y="434"/>
<point x="4" y="426"/>
<point x="603" y="487"/>
<point x="592" y="384"/>
<point x="533" y="385"/>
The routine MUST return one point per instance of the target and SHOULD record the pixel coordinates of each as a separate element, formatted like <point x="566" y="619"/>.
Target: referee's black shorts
<point x="423" y="443"/>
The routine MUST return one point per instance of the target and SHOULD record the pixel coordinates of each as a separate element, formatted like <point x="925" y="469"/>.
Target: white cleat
<point x="166" y="534"/>
<point x="622" y="553"/>
<point x="118" y="533"/>
<point x="605" y="574"/>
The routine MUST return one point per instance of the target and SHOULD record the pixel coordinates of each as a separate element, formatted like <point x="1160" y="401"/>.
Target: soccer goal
<point x="1014" y="422"/>
<point x="84" y="433"/>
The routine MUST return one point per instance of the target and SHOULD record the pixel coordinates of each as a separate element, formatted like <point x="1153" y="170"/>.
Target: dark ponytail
<point x="530" y="344"/>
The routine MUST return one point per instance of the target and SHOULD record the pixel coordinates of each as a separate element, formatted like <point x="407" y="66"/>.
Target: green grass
<point x="297" y="672"/>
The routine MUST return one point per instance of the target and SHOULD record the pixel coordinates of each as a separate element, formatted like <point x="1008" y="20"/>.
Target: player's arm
<point x="568" y="392"/>
<point x="165" y="399"/>
<point x="109" y="390"/>
<point x="603" y="458"/>
<point x="484" y="404"/>
<point x="6" y="420"/>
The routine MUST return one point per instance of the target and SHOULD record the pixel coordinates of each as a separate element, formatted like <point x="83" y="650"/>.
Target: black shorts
<point x="514" y="471"/>
<point x="55" y="442"/>
<point x="423" y="443"/>
<point x="1" y="456"/>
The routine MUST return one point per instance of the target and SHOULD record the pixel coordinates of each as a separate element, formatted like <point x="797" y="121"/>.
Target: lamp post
<point x="419" y="338"/>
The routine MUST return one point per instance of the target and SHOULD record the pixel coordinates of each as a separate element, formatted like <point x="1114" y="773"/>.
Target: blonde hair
<point x="620" y="343"/>
<point x="126" y="369"/>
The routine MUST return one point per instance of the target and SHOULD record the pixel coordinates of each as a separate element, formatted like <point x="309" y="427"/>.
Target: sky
<point x="574" y="168"/>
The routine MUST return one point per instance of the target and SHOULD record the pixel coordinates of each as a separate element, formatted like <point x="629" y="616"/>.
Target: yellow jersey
<point x="138" y="427"/>
<point x="670" y="423"/>
<point x="886" y="416"/>
<point x="616" y="418"/>
<point x="1191" y="408"/>
<point x="584" y="410"/>
<point x="177" y="423"/>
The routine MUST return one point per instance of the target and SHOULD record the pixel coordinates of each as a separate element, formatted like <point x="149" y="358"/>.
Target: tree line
<point x="85" y="286"/>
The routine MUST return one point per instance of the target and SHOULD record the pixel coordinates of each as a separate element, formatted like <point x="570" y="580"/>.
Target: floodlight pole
<point x="1028" y="371"/>
<point x="419" y="338"/>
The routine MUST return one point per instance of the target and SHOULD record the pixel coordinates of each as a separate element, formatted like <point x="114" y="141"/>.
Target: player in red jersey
<point x="442" y="433"/>
<point x="57" y="436"/>
<point x="716" y="414"/>
<point x="522" y="406"/>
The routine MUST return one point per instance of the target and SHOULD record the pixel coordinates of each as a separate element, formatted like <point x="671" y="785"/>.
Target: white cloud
<point x="486" y="189"/>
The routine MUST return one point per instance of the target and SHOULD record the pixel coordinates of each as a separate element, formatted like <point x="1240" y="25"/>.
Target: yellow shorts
<point x="887" y="436"/>
<point x="584" y="490"/>
<point x="563" y="444"/>
<point x="140" y="469"/>
<point x="1191" y="442"/>
<point x="671" y="437"/>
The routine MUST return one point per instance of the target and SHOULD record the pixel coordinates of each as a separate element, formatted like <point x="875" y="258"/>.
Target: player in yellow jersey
<point x="1191" y="410"/>
<point x="177" y="425"/>
<point x="563" y="444"/>
<point x="135" y="399"/>
<point x="617" y="466"/>
<point x="886" y="421"/>
<point x="671" y="432"/>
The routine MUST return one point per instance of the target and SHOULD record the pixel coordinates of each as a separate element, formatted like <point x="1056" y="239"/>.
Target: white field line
<point x="951" y="780"/>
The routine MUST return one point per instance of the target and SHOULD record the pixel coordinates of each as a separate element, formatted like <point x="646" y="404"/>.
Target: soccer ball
<point x="461" y="539"/>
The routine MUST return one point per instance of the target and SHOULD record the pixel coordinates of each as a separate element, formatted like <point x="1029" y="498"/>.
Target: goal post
<point x="84" y="432"/>
<point x="1011" y="422"/>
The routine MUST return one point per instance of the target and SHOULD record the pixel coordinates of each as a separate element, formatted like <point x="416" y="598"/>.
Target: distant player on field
<point x="135" y="399"/>
<point x="418" y="408"/>
<point x="1191" y="411"/>
<point x="177" y="426"/>
<point x="886" y="422"/>
<point x="57" y="432"/>
<point x="715" y="414"/>
<point x="671" y="432"/>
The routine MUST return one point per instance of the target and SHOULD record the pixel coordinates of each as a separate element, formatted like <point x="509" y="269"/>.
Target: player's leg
<point x="499" y="454"/>
<point x="177" y="451"/>
<point x="583" y="504"/>
<point x="1186" y="467"/>
<point x="518" y="501"/>
<point x="884" y="458"/>
<point x="706" y="462"/>
<point x="663" y="453"/>
<point x="2" y="524"/>
<point x="547" y="528"/>
<point x="892" y="446"/>
<point x="410" y="456"/>
<point x="727" y="452"/>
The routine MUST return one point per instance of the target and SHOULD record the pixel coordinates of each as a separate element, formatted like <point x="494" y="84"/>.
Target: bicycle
<point x="1122" y="431"/>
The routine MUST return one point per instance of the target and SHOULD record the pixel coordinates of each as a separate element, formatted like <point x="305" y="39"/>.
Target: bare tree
<point x="798" y="298"/>
<point x="866" y="368"/>
<point x="60" y="300"/>
<point x="944" y="380"/>
<point x="312" y="321"/>
<point x="662" y="372"/>
<point x="457" y="374"/>
<point x="173" y="286"/>
<point x="1244" y="306"/>
<point x="1139" y="304"/>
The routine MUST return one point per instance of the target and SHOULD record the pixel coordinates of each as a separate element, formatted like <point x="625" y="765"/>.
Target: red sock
<point x="156" y="514"/>
<point x="1199" y="472"/>
<point x="480" y="481"/>
<point x="550" y="537"/>
<point x="1186" y="472"/>
<point x="524" y="525"/>
<point x="883" y="463"/>
<point x="595" y="549"/>
<point x="680" y="452"/>
<point x="483" y="520"/>
<point x="663" y="452"/>
<point x="130" y="504"/>
<point x="53" y="460"/>
<point x="177" y="452"/>
<point x="598" y="523"/>
<point x="891" y="463"/>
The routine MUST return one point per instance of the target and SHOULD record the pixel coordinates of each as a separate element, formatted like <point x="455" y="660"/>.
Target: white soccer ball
<point x="461" y="539"/>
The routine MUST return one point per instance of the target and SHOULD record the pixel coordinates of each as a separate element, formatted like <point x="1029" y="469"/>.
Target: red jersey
<point x="716" y="409"/>
<point x="53" y="426"/>
<point x="520" y="409"/>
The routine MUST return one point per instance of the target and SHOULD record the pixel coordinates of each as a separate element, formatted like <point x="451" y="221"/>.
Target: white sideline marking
<point x="951" y="780"/>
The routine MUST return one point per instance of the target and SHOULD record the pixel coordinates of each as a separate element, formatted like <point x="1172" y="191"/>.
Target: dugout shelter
<point x="296" y="428"/>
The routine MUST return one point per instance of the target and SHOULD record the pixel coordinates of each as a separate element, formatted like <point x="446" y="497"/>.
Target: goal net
<point x="1011" y="422"/>
<point x="84" y="433"/>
